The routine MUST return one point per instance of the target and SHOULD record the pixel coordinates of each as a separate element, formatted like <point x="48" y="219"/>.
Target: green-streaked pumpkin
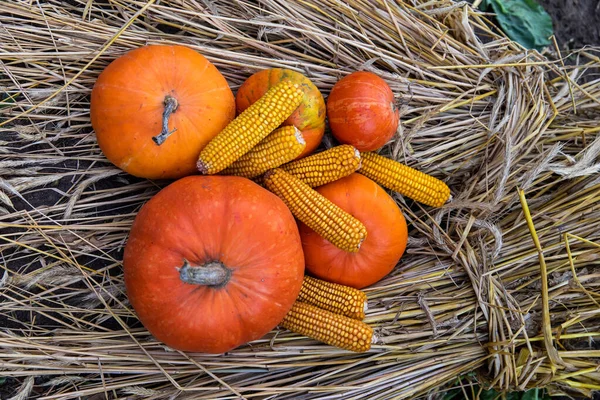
<point x="309" y="117"/>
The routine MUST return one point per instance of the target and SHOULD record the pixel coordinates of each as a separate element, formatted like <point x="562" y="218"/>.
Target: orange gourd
<point x="213" y="262"/>
<point x="362" y="112"/>
<point x="156" y="107"/>
<point x="378" y="253"/>
<point x="309" y="117"/>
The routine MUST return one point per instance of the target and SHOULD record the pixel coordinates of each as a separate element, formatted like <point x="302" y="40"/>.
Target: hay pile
<point x="485" y="286"/>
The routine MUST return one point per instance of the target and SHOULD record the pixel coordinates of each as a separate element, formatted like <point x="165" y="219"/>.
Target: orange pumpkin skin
<point x="309" y="117"/>
<point x="361" y="111"/>
<point x="128" y="101"/>
<point x="201" y="219"/>
<point x="381" y="250"/>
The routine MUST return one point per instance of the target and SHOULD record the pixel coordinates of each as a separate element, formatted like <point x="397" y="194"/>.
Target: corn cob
<point x="338" y="299"/>
<point x="327" y="327"/>
<point x="405" y="180"/>
<point x="327" y="166"/>
<point x="280" y="146"/>
<point x="250" y="127"/>
<point x="316" y="211"/>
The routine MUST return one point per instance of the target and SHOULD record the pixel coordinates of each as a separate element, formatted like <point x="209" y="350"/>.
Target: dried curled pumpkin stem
<point x="170" y="107"/>
<point x="213" y="274"/>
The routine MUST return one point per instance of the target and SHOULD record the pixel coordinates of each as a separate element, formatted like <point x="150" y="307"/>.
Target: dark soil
<point x="576" y="22"/>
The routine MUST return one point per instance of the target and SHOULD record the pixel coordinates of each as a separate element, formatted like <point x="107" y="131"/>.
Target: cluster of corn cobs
<point x="254" y="146"/>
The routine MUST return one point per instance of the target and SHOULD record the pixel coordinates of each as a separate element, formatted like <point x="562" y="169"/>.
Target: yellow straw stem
<point x="553" y="355"/>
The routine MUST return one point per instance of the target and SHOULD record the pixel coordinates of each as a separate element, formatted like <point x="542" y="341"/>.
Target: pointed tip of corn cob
<point x="328" y="327"/>
<point x="250" y="127"/>
<point x="334" y="297"/>
<point x="362" y="239"/>
<point x="405" y="180"/>
<point x="321" y="215"/>
<point x="202" y="167"/>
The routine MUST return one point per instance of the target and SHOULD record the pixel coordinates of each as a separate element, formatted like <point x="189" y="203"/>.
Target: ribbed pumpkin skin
<point x="381" y="250"/>
<point x="309" y="117"/>
<point x="127" y="105"/>
<point x="202" y="219"/>
<point x="361" y="111"/>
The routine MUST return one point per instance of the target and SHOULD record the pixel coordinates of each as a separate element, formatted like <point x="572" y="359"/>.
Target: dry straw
<point x="504" y="280"/>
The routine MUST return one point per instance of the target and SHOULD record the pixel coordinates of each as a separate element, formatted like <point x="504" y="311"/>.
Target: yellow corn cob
<point x="316" y="211"/>
<point x="326" y="166"/>
<point x="280" y="146"/>
<point x="250" y="127"/>
<point x="405" y="180"/>
<point x="327" y="327"/>
<point x="338" y="299"/>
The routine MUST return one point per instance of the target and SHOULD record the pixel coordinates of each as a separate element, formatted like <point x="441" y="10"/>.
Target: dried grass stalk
<point x="478" y="111"/>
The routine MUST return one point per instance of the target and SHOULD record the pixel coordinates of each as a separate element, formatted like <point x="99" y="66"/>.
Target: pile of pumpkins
<point x="216" y="261"/>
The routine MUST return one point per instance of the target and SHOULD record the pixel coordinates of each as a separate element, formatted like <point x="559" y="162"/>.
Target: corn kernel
<point x="250" y="127"/>
<point x="326" y="166"/>
<point x="280" y="146"/>
<point x="339" y="299"/>
<point x="316" y="211"/>
<point x="405" y="180"/>
<point x="327" y="327"/>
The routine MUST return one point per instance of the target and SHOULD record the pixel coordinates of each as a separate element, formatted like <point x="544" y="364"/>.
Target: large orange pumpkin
<point x="381" y="250"/>
<point x="213" y="262"/>
<point x="362" y="112"/>
<point x="309" y="117"/>
<point x="156" y="107"/>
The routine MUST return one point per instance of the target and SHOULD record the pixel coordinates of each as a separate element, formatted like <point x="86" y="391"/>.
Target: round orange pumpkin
<point x="381" y="250"/>
<point x="361" y="111"/>
<point x="309" y="117"/>
<point x="156" y="107"/>
<point x="213" y="262"/>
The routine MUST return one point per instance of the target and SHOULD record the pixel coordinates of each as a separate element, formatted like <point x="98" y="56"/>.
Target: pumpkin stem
<point x="213" y="274"/>
<point x="170" y="107"/>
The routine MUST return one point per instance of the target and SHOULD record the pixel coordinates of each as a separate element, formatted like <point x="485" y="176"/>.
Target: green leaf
<point x="524" y="21"/>
<point x="451" y="395"/>
<point x="489" y="395"/>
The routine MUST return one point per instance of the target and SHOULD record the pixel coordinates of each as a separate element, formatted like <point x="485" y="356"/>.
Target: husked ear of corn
<point x="280" y="146"/>
<point x="326" y="166"/>
<point x="327" y="327"/>
<point x="338" y="299"/>
<point x="405" y="180"/>
<point x="250" y="127"/>
<point x="316" y="211"/>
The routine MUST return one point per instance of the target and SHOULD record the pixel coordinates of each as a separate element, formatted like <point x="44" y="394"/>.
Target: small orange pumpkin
<point x="309" y="117"/>
<point x="380" y="251"/>
<point x="213" y="262"/>
<point x="361" y="111"/>
<point x="156" y="107"/>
